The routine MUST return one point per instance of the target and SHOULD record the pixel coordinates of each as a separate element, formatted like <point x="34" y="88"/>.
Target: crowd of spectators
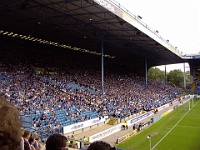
<point x="60" y="95"/>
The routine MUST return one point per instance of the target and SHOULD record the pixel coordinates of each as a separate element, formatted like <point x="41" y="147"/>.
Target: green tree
<point x="175" y="77"/>
<point x="156" y="74"/>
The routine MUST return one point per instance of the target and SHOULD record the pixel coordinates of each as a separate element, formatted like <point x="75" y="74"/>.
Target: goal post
<point x="188" y="103"/>
<point x="192" y="99"/>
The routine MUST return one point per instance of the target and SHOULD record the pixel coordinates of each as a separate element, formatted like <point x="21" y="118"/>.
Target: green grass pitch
<point x="179" y="130"/>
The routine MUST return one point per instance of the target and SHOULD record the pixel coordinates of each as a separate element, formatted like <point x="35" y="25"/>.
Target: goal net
<point x="188" y="103"/>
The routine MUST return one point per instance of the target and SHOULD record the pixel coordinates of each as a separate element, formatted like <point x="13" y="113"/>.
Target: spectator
<point x="31" y="142"/>
<point x="73" y="144"/>
<point x="56" y="142"/>
<point x="26" y="137"/>
<point x="9" y="127"/>
<point x="22" y="139"/>
<point x="86" y="141"/>
<point x="36" y="144"/>
<point x="125" y="126"/>
<point x="134" y="127"/>
<point x="151" y="119"/>
<point x="100" y="145"/>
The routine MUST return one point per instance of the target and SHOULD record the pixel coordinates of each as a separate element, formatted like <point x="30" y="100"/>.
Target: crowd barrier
<point x="197" y="96"/>
<point x="163" y="107"/>
<point x="164" y="114"/>
<point x="126" y="136"/>
<point x="131" y="133"/>
<point x="139" y="118"/>
<point x="176" y="106"/>
<point x="105" y="133"/>
<point x="156" y="118"/>
<point x="82" y="125"/>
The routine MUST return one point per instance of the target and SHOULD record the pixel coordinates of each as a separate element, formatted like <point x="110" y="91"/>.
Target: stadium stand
<point x="197" y="88"/>
<point x="53" y="96"/>
<point x="54" y="88"/>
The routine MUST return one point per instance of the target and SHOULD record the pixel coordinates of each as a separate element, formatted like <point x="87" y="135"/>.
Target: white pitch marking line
<point x="187" y="126"/>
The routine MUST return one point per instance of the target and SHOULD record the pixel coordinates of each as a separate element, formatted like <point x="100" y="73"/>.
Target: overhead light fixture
<point x="14" y="35"/>
<point x="26" y="38"/>
<point x="5" y="33"/>
<point x="139" y="17"/>
<point x="30" y="38"/>
<point x="10" y="33"/>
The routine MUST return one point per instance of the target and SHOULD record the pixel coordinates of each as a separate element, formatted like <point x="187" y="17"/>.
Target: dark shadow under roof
<point x="83" y="24"/>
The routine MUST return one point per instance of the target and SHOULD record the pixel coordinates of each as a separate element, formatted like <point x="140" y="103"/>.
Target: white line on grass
<point x="188" y="126"/>
<point x="172" y="128"/>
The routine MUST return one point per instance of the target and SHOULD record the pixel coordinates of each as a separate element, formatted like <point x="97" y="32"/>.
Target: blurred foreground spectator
<point x="56" y="142"/>
<point x="100" y="145"/>
<point x="10" y="133"/>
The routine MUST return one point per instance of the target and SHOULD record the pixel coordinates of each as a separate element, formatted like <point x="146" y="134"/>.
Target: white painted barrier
<point x="82" y="125"/>
<point x="105" y="133"/>
<point x="139" y="118"/>
<point x="163" y="107"/>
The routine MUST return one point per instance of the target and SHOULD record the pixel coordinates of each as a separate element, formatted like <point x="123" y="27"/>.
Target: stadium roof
<point x="194" y="61"/>
<point x="82" y="24"/>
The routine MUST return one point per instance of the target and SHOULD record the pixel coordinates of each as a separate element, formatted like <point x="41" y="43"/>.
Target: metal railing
<point x="117" y="4"/>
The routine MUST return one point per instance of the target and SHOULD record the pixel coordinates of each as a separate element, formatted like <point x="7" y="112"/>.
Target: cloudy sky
<point x="176" y="20"/>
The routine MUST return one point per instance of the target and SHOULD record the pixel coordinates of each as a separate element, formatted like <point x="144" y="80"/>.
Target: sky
<point x="176" y="20"/>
